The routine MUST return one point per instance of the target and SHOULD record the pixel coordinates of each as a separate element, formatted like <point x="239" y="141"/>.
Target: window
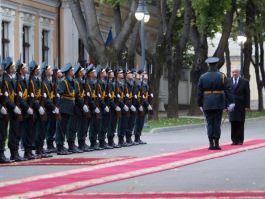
<point x="81" y="53"/>
<point x="5" y="40"/>
<point x="45" y="46"/>
<point x="25" y="44"/>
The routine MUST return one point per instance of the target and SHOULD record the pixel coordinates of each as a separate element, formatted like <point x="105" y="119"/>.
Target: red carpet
<point x="80" y="178"/>
<point x="186" y="195"/>
<point x="68" y="161"/>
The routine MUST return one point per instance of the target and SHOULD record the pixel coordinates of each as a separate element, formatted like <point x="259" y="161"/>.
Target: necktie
<point x="235" y="82"/>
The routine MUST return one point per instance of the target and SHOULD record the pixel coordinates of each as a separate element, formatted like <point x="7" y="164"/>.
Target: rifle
<point x="56" y="97"/>
<point x="43" y="117"/>
<point x="117" y="98"/>
<point x="83" y="95"/>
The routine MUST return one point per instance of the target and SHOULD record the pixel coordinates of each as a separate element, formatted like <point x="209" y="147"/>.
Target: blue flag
<point x="109" y="39"/>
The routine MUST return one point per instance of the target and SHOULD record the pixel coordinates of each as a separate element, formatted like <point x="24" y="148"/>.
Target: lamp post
<point x="142" y="15"/>
<point x="241" y="39"/>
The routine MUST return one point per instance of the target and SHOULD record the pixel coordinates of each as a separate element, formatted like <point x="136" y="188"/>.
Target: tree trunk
<point x="228" y="61"/>
<point x="133" y="42"/>
<point x="261" y="64"/>
<point x="258" y="81"/>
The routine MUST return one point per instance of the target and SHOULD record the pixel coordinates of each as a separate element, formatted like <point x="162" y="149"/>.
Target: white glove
<point x="58" y="95"/>
<point x="41" y="110"/>
<point x="3" y="110"/>
<point x="44" y="95"/>
<point x="30" y="111"/>
<point x="6" y="94"/>
<point x="88" y="94"/>
<point x="106" y="109"/>
<point x="149" y="108"/>
<point x="17" y="110"/>
<point x="135" y="96"/>
<point x="151" y="95"/>
<point x="201" y="109"/>
<point x="127" y="95"/>
<point x="118" y="96"/>
<point x="85" y="108"/>
<point x="231" y="107"/>
<point x="133" y="109"/>
<point x="117" y="109"/>
<point x="141" y="108"/>
<point x="97" y="110"/>
<point x="55" y="111"/>
<point x="126" y="108"/>
<point x="19" y="94"/>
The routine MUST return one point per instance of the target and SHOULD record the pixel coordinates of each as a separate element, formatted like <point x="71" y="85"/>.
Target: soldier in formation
<point x="84" y="108"/>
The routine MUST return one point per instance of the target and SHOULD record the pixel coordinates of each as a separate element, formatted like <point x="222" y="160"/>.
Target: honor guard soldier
<point x="130" y="96"/>
<point x="3" y="121"/>
<point x="37" y="103"/>
<point x="214" y="94"/>
<point x="103" y="95"/>
<point x="52" y="111"/>
<point x="143" y="105"/>
<point x="123" y="120"/>
<point x="115" y="110"/>
<point x="11" y="103"/>
<point x="66" y="126"/>
<point x="93" y="102"/>
<point x="82" y="112"/>
<point x="26" y="129"/>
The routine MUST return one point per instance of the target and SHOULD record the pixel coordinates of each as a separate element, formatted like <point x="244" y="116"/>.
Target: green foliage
<point x="210" y="14"/>
<point x="113" y="2"/>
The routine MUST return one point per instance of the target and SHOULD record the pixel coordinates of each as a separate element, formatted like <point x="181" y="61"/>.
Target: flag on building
<point x="109" y="38"/>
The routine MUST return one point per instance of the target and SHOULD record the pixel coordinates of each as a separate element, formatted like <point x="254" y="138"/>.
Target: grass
<point x="167" y="122"/>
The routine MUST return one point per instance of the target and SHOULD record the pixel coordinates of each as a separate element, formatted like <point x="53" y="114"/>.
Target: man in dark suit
<point x="214" y="95"/>
<point x="241" y="94"/>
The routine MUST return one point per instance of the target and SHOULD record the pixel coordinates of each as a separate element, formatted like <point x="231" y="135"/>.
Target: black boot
<point x="141" y="141"/>
<point x="129" y="141"/>
<point x="211" y="144"/>
<point x="217" y="147"/>
<point x="136" y="140"/>
<point x="50" y="148"/>
<point x="16" y="157"/>
<point x="28" y="154"/>
<point x="112" y="143"/>
<point x="73" y="148"/>
<point x="121" y="142"/>
<point x="103" y="144"/>
<point x="62" y="151"/>
<point x="3" y="158"/>
<point x="40" y="152"/>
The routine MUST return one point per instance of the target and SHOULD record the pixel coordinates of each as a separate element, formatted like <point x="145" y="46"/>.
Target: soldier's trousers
<point x="104" y="125"/>
<point x="94" y="128"/>
<point x="131" y="124"/>
<point x="65" y="128"/>
<point x="14" y="135"/>
<point x="213" y="118"/>
<point x="139" y="125"/>
<point x="51" y="129"/>
<point x="112" y="124"/>
<point x="3" y="134"/>
<point x="40" y="128"/>
<point x="123" y="125"/>
<point x="27" y="132"/>
<point x="82" y="124"/>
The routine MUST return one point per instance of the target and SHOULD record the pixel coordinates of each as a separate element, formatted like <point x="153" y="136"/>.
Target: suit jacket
<point x="214" y="91"/>
<point x="241" y="94"/>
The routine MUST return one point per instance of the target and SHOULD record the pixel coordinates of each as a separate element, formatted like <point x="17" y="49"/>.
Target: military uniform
<point x="66" y="127"/>
<point x="82" y="113"/>
<point x="93" y="103"/>
<point x="214" y="94"/>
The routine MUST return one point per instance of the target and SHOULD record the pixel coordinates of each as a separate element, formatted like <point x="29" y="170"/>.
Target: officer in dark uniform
<point x="3" y="121"/>
<point x="82" y="112"/>
<point x="214" y="95"/>
<point x="93" y="102"/>
<point x="27" y="132"/>
<point x="143" y="105"/>
<point x="115" y="110"/>
<point x="104" y="108"/>
<point x="123" y="120"/>
<point x="66" y="126"/>
<point x="11" y="102"/>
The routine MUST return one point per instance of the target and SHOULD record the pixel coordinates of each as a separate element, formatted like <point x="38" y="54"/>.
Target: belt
<point x="215" y="92"/>
<point x="68" y="98"/>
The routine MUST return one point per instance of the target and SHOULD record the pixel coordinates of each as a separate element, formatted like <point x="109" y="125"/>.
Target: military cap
<point x="212" y="60"/>
<point x="133" y="70"/>
<point x="66" y="68"/>
<point x="20" y="65"/>
<point x="118" y="70"/>
<point x="109" y="70"/>
<point x="141" y="71"/>
<point x="7" y="63"/>
<point x="90" y="68"/>
<point x="44" y="66"/>
<point x="77" y="68"/>
<point x="33" y="66"/>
